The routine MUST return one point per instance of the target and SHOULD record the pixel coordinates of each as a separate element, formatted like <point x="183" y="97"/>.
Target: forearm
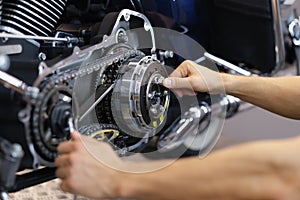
<point x="279" y="95"/>
<point x="244" y="172"/>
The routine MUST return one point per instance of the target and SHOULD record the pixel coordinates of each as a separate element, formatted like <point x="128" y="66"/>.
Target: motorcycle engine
<point x="131" y="104"/>
<point x="84" y="65"/>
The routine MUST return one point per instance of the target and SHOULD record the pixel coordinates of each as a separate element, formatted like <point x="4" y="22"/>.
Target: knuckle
<point x="60" y="146"/>
<point x="187" y="62"/>
<point x="175" y="82"/>
<point x="66" y="186"/>
<point x="71" y="159"/>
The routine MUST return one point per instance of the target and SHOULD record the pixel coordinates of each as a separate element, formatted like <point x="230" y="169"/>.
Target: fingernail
<point x="167" y="82"/>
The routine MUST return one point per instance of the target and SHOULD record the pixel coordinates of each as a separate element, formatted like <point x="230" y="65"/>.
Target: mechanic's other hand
<point x="83" y="167"/>
<point x="190" y="77"/>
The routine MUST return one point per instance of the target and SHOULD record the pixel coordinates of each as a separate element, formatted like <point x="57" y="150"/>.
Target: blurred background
<point x="256" y="123"/>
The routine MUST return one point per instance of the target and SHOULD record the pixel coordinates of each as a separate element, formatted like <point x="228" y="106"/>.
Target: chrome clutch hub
<point x="139" y="101"/>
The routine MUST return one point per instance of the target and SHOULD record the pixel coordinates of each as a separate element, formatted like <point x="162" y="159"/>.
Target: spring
<point x="31" y="17"/>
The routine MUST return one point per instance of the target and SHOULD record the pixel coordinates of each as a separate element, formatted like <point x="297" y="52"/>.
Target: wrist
<point x="231" y="83"/>
<point x="137" y="186"/>
<point x="127" y="185"/>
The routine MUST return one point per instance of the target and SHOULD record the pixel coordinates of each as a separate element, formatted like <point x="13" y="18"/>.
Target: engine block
<point x="37" y="18"/>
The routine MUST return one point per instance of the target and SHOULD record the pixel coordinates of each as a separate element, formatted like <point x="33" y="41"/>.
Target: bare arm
<point x="280" y="95"/>
<point x="251" y="171"/>
<point x="264" y="170"/>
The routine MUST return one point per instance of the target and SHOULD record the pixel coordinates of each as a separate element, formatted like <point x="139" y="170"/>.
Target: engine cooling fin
<point x="31" y="17"/>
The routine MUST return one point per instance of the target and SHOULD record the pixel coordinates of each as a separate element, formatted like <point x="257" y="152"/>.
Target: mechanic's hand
<point x="83" y="167"/>
<point x="190" y="77"/>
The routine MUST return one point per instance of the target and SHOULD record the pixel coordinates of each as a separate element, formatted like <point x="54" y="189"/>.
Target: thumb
<point x="177" y="83"/>
<point x="75" y="136"/>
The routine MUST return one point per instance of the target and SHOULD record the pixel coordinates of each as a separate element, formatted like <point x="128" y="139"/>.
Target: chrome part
<point x="32" y="17"/>
<point x="42" y="56"/>
<point x="16" y="151"/>
<point x="228" y="65"/>
<point x="126" y="13"/>
<point x="5" y="29"/>
<point x="232" y="104"/>
<point x="166" y="54"/>
<point x="25" y="118"/>
<point x="19" y="86"/>
<point x="10" y="158"/>
<point x="121" y="36"/>
<point x="279" y="40"/>
<point x="199" y="60"/>
<point x="4" y="62"/>
<point x="71" y="125"/>
<point x="61" y="38"/>
<point x="4" y="196"/>
<point x="191" y="129"/>
<point x="139" y="102"/>
<point x="187" y="125"/>
<point x="12" y="82"/>
<point x="73" y="40"/>
<point x="11" y="49"/>
<point x="184" y="30"/>
<point x="294" y="31"/>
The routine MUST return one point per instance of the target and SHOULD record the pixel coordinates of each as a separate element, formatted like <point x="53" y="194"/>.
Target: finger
<point x="75" y="136"/>
<point x="62" y="173"/>
<point x="66" y="147"/>
<point x="177" y="83"/>
<point x="68" y="185"/>
<point x="64" y="187"/>
<point x="179" y="72"/>
<point x="62" y="160"/>
<point x="184" y="69"/>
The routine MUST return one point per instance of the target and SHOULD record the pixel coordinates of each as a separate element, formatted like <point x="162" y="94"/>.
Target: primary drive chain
<point x="56" y="96"/>
<point x="94" y="66"/>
